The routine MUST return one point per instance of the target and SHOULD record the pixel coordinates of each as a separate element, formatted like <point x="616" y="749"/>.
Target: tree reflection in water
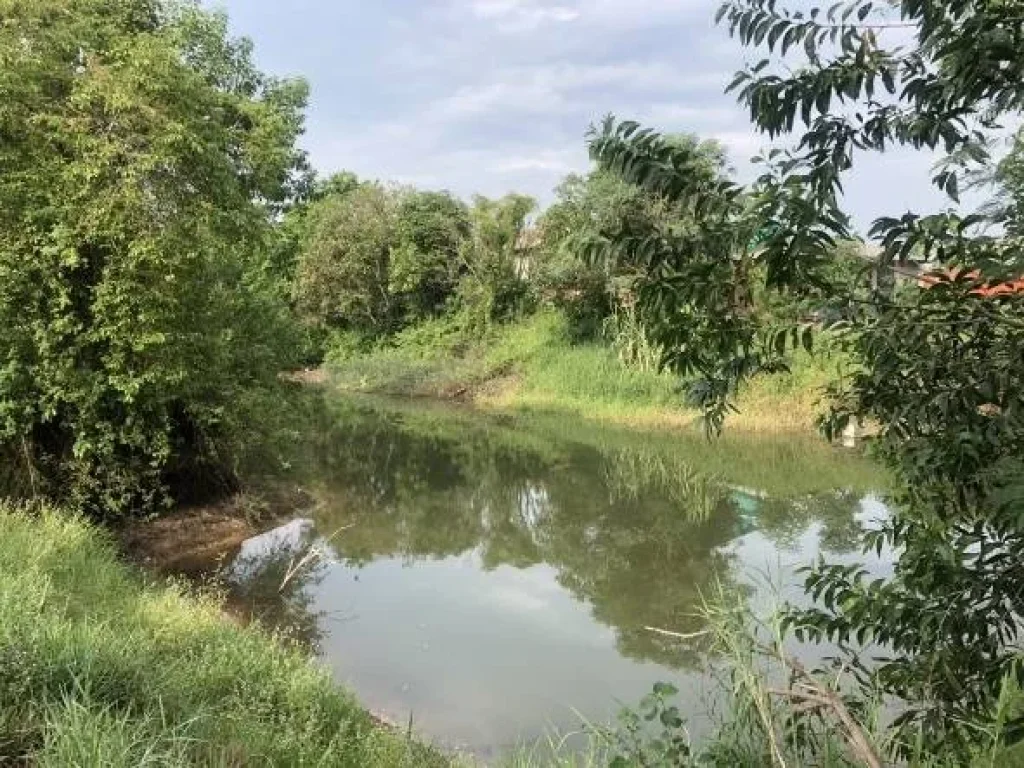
<point x="635" y="528"/>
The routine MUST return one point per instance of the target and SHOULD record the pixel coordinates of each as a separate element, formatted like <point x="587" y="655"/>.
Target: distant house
<point x="987" y="290"/>
<point x="927" y="275"/>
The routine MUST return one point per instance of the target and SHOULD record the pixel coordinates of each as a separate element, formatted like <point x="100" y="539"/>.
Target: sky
<point x="495" y="96"/>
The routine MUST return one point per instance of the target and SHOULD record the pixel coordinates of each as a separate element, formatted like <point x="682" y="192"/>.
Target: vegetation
<point x="146" y="158"/>
<point x="416" y="294"/>
<point x="535" y="364"/>
<point x="938" y="369"/>
<point x="343" y="276"/>
<point x="99" y="668"/>
<point x="165" y="253"/>
<point x="372" y="261"/>
<point x="760" y="729"/>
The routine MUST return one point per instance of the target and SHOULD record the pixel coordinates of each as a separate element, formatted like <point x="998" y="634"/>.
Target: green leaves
<point x="635" y="743"/>
<point x="135" y="204"/>
<point x="937" y="366"/>
<point x="343" y="272"/>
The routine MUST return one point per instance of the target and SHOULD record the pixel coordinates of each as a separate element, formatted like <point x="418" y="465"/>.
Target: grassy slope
<point x="99" y="668"/>
<point x="530" y="365"/>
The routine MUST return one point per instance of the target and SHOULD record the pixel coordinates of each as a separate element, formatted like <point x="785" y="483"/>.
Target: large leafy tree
<point x="373" y="259"/>
<point x="431" y="228"/>
<point x="939" y="370"/>
<point x="342" y="278"/>
<point x="497" y="257"/>
<point x="295" y="222"/>
<point x="143" y="158"/>
<point x="601" y="204"/>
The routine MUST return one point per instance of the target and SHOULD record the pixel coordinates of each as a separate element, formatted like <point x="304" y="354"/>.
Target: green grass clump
<point x="98" y="667"/>
<point x="443" y="355"/>
<point x="592" y="374"/>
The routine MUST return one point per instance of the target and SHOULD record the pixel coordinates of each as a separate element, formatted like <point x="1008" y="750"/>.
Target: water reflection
<point x="273" y="577"/>
<point x="499" y="571"/>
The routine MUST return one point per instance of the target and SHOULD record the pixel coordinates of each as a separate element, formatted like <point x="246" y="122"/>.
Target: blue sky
<point x="492" y="96"/>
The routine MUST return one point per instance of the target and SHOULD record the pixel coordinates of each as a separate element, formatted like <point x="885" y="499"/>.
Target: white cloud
<point x="551" y="161"/>
<point x="492" y="96"/>
<point x="499" y="96"/>
<point x="555" y="89"/>
<point x="741" y="145"/>
<point x="643" y="12"/>
<point x="517" y="16"/>
<point x="521" y="15"/>
<point x="642" y="75"/>
<point x="674" y="116"/>
<point x="427" y="159"/>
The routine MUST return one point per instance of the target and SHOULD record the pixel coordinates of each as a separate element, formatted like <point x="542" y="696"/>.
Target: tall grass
<point x="98" y="667"/>
<point x="627" y="335"/>
<point x="532" y="364"/>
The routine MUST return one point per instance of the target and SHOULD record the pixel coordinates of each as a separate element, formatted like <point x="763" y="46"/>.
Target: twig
<point x="677" y="635"/>
<point x="804" y="696"/>
<point x="314" y="552"/>
<point x="823" y="696"/>
<point x="30" y="466"/>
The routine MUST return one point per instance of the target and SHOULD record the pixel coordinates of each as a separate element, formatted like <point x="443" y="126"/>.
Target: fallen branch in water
<point x="809" y="695"/>
<point x="815" y="695"/>
<point x="314" y="553"/>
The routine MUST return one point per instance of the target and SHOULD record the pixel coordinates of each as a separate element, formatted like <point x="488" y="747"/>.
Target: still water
<point x="496" y="579"/>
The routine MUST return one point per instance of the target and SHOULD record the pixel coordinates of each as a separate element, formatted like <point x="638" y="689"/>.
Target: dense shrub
<point x="144" y="157"/>
<point x="343" y="275"/>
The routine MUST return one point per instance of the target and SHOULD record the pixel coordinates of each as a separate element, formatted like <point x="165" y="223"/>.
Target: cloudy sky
<point x="493" y="96"/>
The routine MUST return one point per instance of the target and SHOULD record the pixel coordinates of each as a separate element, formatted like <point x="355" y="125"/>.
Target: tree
<point x="144" y="158"/>
<point x="603" y="204"/>
<point x="293" y="226"/>
<point x="337" y="184"/>
<point x="1005" y="180"/>
<point x="431" y="228"/>
<point x="695" y="280"/>
<point x="586" y="292"/>
<point x="939" y="369"/>
<point x="342" y="280"/>
<point x="495" y="256"/>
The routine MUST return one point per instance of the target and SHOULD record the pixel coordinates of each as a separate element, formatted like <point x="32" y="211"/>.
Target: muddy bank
<point x="194" y="541"/>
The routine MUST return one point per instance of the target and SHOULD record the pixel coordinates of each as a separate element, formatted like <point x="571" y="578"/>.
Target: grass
<point x="99" y="667"/>
<point x="531" y="365"/>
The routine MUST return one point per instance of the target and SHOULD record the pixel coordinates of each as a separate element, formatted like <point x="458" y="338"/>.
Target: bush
<point x="342" y="279"/>
<point x="135" y="209"/>
<point x="579" y="291"/>
<point x="447" y="336"/>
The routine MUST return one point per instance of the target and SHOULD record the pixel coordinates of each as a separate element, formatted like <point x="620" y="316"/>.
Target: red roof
<point x="988" y="289"/>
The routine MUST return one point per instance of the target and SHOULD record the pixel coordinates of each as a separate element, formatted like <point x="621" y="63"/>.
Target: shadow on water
<point x="495" y="575"/>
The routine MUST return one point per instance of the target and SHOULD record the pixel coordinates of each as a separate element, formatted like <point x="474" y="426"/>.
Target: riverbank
<point x="532" y="366"/>
<point x="100" y="666"/>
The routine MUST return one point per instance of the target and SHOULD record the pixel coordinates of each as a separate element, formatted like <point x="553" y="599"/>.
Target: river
<point x="497" y="579"/>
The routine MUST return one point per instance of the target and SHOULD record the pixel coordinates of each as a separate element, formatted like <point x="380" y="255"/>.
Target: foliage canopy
<point x="938" y="370"/>
<point x="144" y="156"/>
